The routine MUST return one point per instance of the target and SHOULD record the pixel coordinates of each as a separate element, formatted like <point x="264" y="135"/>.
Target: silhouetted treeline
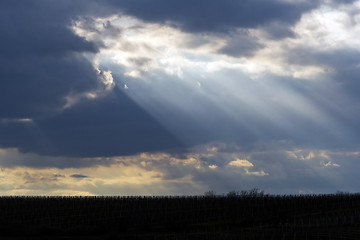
<point x="235" y="216"/>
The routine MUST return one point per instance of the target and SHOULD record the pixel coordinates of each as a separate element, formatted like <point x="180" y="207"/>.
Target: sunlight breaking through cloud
<point x="114" y="97"/>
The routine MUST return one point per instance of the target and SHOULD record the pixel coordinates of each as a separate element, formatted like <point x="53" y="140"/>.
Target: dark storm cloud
<point x="277" y="30"/>
<point x="40" y="66"/>
<point x="242" y="44"/>
<point x="111" y="126"/>
<point x="40" y="28"/>
<point x="11" y="158"/>
<point x="343" y="1"/>
<point x="220" y="15"/>
<point x="32" y="85"/>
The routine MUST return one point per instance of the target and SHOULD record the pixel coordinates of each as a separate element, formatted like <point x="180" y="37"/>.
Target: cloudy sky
<point x="170" y="97"/>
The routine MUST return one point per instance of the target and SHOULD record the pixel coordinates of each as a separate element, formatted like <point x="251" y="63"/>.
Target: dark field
<point x="246" y="216"/>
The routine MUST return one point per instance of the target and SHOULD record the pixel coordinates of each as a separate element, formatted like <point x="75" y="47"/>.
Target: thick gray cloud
<point x="242" y="44"/>
<point x="40" y="67"/>
<point x="278" y="30"/>
<point x="34" y="85"/>
<point x="219" y="15"/>
<point x="38" y="63"/>
<point x="110" y="126"/>
<point x="11" y="158"/>
<point x="343" y="1"/>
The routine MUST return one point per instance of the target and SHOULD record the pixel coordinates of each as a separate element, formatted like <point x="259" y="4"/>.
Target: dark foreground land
<point x="203" y="217"/>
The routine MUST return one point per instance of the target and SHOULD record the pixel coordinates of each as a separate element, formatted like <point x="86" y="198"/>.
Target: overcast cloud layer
<point x="178" y="97"/>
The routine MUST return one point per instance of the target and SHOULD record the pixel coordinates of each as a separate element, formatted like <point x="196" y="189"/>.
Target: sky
<point x="170" y="97"/>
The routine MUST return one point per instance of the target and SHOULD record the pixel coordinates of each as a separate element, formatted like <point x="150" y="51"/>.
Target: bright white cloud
<point x="241" y="163"/>
<point x="107" y="79"/>
<point x="246" y="165"/>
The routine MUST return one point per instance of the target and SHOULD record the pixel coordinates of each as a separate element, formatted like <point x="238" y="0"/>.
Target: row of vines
<point x="334" y="216"/>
